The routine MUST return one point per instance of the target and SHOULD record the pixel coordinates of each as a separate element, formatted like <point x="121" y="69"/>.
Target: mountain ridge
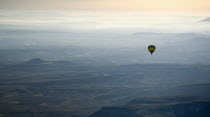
<point x="206" y="20"/>
<point x="171" y="106"/>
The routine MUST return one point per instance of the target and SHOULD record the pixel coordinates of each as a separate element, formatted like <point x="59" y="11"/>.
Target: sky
<point x="93" y="24"/>
<point x="142" y="5"/>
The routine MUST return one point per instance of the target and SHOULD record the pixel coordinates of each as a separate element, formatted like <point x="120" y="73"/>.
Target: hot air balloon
<point x="151" y="48"/>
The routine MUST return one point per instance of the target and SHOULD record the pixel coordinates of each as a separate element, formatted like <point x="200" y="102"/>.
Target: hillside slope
<point x="177" y="106"/>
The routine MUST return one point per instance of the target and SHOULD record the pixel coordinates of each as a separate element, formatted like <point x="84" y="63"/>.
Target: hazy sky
<point x="143" y="5"/>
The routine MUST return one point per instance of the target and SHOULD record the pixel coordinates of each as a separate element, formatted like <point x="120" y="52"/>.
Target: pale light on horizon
<point x="126" y="5"/>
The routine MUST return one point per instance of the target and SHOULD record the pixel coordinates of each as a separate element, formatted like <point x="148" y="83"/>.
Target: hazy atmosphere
<point x="90" y="58"/>
<point x="120" y="37"/>
<point x="149" y="5"/>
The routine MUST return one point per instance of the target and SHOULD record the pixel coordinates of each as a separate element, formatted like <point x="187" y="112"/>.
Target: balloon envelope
<point x="151" y="48"/>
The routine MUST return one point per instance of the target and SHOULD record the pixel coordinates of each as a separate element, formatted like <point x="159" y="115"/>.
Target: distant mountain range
<point x="40" y="61"/>
<point x="35" y="61"/>
<point x="177" y="106"/>
<point x="206" y="20"/>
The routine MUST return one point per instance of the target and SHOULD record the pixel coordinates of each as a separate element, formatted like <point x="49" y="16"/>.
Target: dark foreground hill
<point x="177" y="106"/>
